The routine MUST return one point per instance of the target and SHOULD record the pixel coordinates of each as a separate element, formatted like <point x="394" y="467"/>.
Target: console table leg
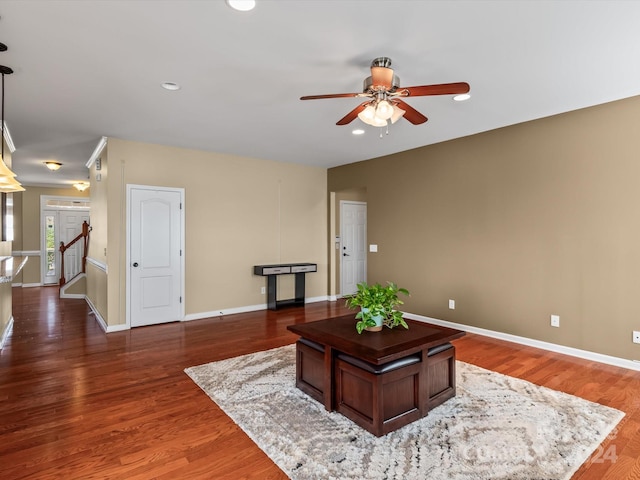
<point x="299" y="288"/>
<point x="271" y="292"/>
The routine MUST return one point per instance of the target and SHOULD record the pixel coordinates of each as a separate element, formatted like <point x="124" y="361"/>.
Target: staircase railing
<point x="84" y="234"/>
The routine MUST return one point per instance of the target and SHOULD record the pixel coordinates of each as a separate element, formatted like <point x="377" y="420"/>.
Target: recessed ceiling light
<point x="358" y="131"/>
<point x="170" y="86"/>
<point x="462" y="97"/>
<point x="242" y="5"/>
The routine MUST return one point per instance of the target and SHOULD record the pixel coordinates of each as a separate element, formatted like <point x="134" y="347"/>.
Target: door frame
<point x="366" y="260"/>
<point x="129" y="188"/>
<point x="44" y="199"/>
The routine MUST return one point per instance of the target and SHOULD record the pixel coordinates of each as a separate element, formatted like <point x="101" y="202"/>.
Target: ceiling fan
<point x="384" y="97"/>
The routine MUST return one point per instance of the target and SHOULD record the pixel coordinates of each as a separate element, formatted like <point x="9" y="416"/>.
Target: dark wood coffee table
<point x="380" y="380"/>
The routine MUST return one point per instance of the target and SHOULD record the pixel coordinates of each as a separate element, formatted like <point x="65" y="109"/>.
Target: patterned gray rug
<point x="497" y="427"/>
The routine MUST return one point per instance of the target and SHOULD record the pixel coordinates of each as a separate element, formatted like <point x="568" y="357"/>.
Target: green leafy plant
<point x="377" y="301"/>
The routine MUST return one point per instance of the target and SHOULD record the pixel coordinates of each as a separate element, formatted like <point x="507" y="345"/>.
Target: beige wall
<point x="98" y="253"/>
<point x="239" y="212"/>
<point x="517" y="224"/>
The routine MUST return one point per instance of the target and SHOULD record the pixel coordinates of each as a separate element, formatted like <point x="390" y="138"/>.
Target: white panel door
<point x="155" y="269"/>
<point x="353" y="231"/>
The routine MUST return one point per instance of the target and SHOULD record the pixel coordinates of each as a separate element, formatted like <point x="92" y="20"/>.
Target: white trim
<point x="246" y="309"/>
<point x="7" y="332"/>
<point x="106" y="328"/>
<point x="26" y="253"/>
<point x="97" y="151"/>
<point x="63" y="292"/>
<point x="226" y="311"/>
<point x="552" y="347"/>
<point x="7" y="138"/>
<point x="29" y="285"/>
<point x="322" y="298"/>
<point x="333" y="298"/>
<point x="16" y="285"/>
<point x="97" y="264"/>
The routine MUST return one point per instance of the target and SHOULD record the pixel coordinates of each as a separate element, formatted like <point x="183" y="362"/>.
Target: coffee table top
<point x="375" y="347"/>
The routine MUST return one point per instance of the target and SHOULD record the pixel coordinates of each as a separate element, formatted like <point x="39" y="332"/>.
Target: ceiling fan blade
<point x="410" y="113"/>
<point x="352" y="115"/>
<point x="331" y="95"/>
<point x="440" y="89"/>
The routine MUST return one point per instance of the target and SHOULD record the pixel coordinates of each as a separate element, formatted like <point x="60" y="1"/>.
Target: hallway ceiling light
<point x="53" y="166"/>
<point x="171" y="86"/>
<point x="242" y="5"/>
<point x="81" y="186"/>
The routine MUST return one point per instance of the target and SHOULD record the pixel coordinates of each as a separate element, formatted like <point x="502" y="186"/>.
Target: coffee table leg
<point x="328" y="378"/>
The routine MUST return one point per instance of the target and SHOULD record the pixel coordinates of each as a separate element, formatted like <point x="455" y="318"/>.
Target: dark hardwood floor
<point x="76" y="403"/>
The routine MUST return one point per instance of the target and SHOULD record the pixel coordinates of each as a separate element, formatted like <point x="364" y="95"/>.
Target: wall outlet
<point x="263" y="290"/>
<point x="452" y="304"/>
<point x="636" y="336"/>
<point x="555" y="320"/>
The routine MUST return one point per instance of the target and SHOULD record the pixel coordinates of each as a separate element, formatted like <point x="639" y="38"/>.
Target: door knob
<point x="135" y="264"/>
<point x="345" y="254"/>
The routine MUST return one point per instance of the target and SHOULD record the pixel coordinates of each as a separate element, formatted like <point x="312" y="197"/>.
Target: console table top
<point x="375" y="347"/>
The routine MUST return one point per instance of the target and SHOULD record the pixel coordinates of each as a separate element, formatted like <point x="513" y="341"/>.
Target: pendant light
<point x="8" y="183"/>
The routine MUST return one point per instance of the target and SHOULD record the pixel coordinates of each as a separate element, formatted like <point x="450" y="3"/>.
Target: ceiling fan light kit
<point x="385" y="95"/>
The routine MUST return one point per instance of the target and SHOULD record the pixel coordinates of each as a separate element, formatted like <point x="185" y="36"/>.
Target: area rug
<point x="497" y="427"/>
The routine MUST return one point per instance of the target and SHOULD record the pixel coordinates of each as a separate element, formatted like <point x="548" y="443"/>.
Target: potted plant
<point x="377" y="306"/>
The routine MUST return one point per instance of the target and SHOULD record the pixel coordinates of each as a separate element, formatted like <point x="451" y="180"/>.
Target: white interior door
<point x="156" y="232"/>
<point x="353" y="255"/>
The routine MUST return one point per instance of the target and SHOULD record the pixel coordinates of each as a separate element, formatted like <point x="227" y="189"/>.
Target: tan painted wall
<point x="96" y="275"/>
<point x="517" y="224"/>
<point x="239" y="212"/>
<point x="97" y="289"/>
<point x="30" y="234"/>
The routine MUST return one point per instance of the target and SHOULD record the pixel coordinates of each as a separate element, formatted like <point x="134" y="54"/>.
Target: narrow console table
<point x="272" y="272"/>
<point x="380" y="380"/>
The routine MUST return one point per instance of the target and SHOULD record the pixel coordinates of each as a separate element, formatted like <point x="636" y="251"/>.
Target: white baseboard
<point x="224" y="311"/>
<point x="322" y="298"/>
<point x="30" y="285"/>
<point x="552" y="347"/>
<point x="7" y="332"/>
<point x="64" y="294"/>
<point x="16" y="285"/>
<point x="245" y="309"/>
<point x="106" y="328"/>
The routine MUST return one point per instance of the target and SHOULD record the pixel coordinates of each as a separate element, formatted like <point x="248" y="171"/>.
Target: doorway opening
<point x="61" y="221"/>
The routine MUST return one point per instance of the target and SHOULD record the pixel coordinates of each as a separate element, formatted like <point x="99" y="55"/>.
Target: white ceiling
<point x="87" y="69"/>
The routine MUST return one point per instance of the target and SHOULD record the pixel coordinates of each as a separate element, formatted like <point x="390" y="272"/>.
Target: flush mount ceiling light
<point x="462" y="98"/>
<point x="171" y="86"/>
<point x="53" y="166"/>
<point x="81" y="186"/>
<point x="242" y="5"/>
